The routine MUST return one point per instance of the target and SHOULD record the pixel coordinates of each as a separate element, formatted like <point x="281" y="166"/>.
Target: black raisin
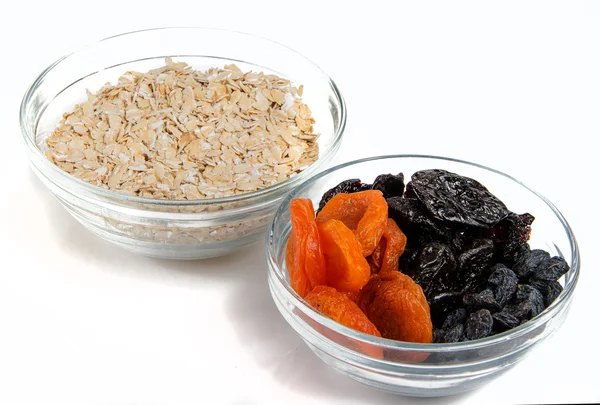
<point x="482" y="300"/>
<point x="456" y="199"/>
<point x="479" y="324"/>
<point x="438" y="335"/>
<point x="442" y="304"/>
<point x="454" y="334"/>
<point x="529" y="302"/>
<point x="503" y="321"/>
<point x="454" y="318"/>
<point x="550" y="289"/>
<point x="510" y="235"/>
<point x="346" y="186"/>
<point x="435" y="271"/>
<point x="503" y="282"/>
<point x="474" y="264"/>
<point x="390" y="185"/>
<point x="551" y="270"/>
<point x="528" y="263"/>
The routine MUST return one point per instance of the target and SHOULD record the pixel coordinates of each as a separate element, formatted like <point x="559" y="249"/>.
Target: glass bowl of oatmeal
<point x="180" y="142"/>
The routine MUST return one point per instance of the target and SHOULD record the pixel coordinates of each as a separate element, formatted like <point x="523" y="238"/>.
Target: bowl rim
<point x="68" y="181"/>
<point x="276" y="273"/>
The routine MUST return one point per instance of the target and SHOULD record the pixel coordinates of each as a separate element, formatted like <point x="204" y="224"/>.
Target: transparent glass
<point x="422" y="369"/>
<point x="162" y="228"/>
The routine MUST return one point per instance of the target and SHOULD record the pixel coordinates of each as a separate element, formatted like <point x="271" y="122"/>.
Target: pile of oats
<point x="181" y="134"/>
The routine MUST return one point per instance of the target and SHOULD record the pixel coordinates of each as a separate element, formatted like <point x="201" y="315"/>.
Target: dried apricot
<point x="340" y="308"/>
<point x="304" y="255"/>
<point x="372" y="225"/>
<point x="347" y="268"/>
<point x="397" y="307"/>
<point x="376" y="258"/>
<point x="348" y="208"/>
<point x="395" y="242"/>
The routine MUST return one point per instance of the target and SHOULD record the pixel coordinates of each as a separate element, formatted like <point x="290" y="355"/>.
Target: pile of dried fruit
<point x="450" y="263"/>
<point x="182" y="134"/>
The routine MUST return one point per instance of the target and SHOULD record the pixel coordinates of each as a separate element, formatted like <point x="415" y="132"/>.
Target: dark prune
<point x="456" y="199"/>
<point x="454" y="334"/>
<point x="482" y="300"/>
<point x="511" y="234"/>
<point x="529" y="262"/>
<point x="454" y="318"/>
<point x="346" y="186"/>
<point x="479" y="324"/>
<point x="442" y="304"/>
<point x="474" y="264"/>
<point x="551" y="270"/>
<point x="414" y="220"/>
<point x="504" y="321"/>
<point x="390" y="185"/>
<point x="435" y="270"/>
<point x="503" y="282"/>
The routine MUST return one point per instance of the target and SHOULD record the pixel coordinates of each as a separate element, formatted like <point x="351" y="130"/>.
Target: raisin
<point x="414" y="220"/>
<point x="390" y="185"/>
<point x="457" y="199"/>
<point x="454" y="318"/>
<point x="474" y="264"/>
<point x="346" y="186"/>
<point x="454" y="334"/>
<point x="528" y="303"/>
<point x="504" y="321"/>
<point x="482" y="300"/>
<point x="436" y="269"/>
<point x="551" y="293"/>
<point x="529" y="262"/>
<point x="503" y="282"/>
<point x="438" y="336"/>
<point x="479" y="324"/>
<point x="442" y="304"/>
<point x="551" y="270"/>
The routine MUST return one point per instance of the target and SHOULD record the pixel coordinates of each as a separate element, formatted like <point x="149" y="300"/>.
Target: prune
<point x="482" y="300"/>
<point x="479" y="324"/>
<point x="504" y="321"/>
<point x="454" y="318"/>
<point x="442" y="304"/>
<point x="503" y="282"/>
<point x="456" y="199"/>
<point x="390" y="185"/>
<point x="436" y="269"/>
<point x="474" y="264"/>
<point x="346" y="186"/>
<point x="454" y="334"/>
<point x="414" y="220"/>
<point x="511" y="234"/>
<point x="551" y="270"/>
<point x="529" y="262"/>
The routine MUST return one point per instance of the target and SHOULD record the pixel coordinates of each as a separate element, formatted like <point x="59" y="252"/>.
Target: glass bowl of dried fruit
<point x="420" y="275"/>
<point x="180" y="142"/>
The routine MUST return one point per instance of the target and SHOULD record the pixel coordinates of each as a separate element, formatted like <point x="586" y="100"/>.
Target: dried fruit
<point x="376" y="258"/>
<point x="456" y="199"/>
<point x="551" y="270"/>
<point x="436" y="269"/>
<point x="347" y="187"/>
<point x="372" y="225"/>
<point x="348" y="208"/>
<point x="529" y="262"/>
<point x="304" y="255"/>
<point x="503" y="282"/>
<point x="397" y="307"/>
<point x="482" y="300"/>
<point x="454" y="318"/>
<point x="389" y="184"/>
<point x="347" y="268"/>
<point x="504" y="321"/>
<point x="414" y="220"/>
<point x="395" y="242"/>
<point x="474" y="264"/>
<point x="479" y="324"/>
<point x="340" y="308"/>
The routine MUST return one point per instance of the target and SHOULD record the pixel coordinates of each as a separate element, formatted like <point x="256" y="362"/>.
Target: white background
<point x="514" y="85"/>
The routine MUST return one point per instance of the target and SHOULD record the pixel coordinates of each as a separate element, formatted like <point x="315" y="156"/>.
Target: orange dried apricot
<point x="347" y="269"/>
<point x="304" y="255"/>
<point x="397" y="307"/>
<point x="340" y="308"/>
<point x="395" y="242"/>
<point x="348" y="208"/>
<point x="376" y="258"/>
<point x="372" y="225"/>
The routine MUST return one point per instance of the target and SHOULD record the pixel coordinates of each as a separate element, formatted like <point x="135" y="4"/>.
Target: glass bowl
<point x="164" y="228"/>
<point x="422" y="369"/>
